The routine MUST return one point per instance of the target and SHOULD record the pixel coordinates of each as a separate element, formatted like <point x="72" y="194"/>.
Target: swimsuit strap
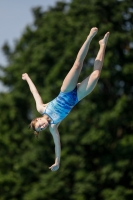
<point x="52" y="121"/>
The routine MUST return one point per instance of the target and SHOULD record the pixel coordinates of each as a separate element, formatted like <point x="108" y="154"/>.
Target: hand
<point x="54" y="167"/>
<point x="25" y="76"/>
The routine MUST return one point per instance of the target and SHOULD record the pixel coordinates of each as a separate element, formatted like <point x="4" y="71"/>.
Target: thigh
<point x="86" y="86"/>
<point x="71" y="79"/>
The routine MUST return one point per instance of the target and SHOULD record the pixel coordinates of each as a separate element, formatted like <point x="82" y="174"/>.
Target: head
<point x="39" y="124"/>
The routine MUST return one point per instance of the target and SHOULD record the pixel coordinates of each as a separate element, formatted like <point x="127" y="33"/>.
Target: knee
<point x="78" y="65"/>
<point x="96" y="74"/>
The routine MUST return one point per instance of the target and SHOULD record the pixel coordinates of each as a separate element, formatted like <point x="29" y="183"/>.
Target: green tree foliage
<point x="97" y="137"/>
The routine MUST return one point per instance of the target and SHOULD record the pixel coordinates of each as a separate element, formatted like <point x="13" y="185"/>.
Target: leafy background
<point x="97" y="137"/>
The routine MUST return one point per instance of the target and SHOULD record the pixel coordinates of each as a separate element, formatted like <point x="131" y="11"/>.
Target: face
<point x="41" y="124"/>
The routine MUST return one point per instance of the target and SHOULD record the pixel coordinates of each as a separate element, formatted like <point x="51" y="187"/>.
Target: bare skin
<point x="71" y="80"/>
<point x="88" y="84"/>
<point x="41" y="124"/>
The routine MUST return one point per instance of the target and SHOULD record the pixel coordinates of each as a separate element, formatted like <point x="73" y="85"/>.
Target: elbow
<point x="34" y="91"/>
<point x="78" y="64"/>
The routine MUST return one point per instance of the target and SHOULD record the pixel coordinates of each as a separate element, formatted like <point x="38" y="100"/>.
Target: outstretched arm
<point x="33" y="89"/>
<point x="56" y="137"/>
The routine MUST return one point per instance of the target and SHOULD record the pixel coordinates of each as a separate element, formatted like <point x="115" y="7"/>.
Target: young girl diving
<point x="70" y="94"/>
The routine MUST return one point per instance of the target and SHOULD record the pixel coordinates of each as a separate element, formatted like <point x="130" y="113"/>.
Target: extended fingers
<point x="53" y="168"/>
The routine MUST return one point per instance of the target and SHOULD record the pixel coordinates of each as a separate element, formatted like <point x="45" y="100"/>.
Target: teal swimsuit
<point x="59" y="108"/>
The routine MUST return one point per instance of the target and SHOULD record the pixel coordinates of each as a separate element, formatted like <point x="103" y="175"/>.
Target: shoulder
<point x="54" y="126"/>
<point x="41" y="108"/>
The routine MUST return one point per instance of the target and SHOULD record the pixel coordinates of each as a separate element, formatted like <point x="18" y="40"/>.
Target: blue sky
<point x="14" y="16"/>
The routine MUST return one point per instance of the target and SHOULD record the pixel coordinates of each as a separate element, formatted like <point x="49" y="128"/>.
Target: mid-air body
<point x="70" y="94"/>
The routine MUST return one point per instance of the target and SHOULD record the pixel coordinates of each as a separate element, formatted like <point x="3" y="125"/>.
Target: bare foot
<point x="93" y="32"/>
<point x="105" y="39"/>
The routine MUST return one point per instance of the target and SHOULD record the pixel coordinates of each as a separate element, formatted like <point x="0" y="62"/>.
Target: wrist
<point x="57" y="162"/>
<point x="27" y="78"/>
